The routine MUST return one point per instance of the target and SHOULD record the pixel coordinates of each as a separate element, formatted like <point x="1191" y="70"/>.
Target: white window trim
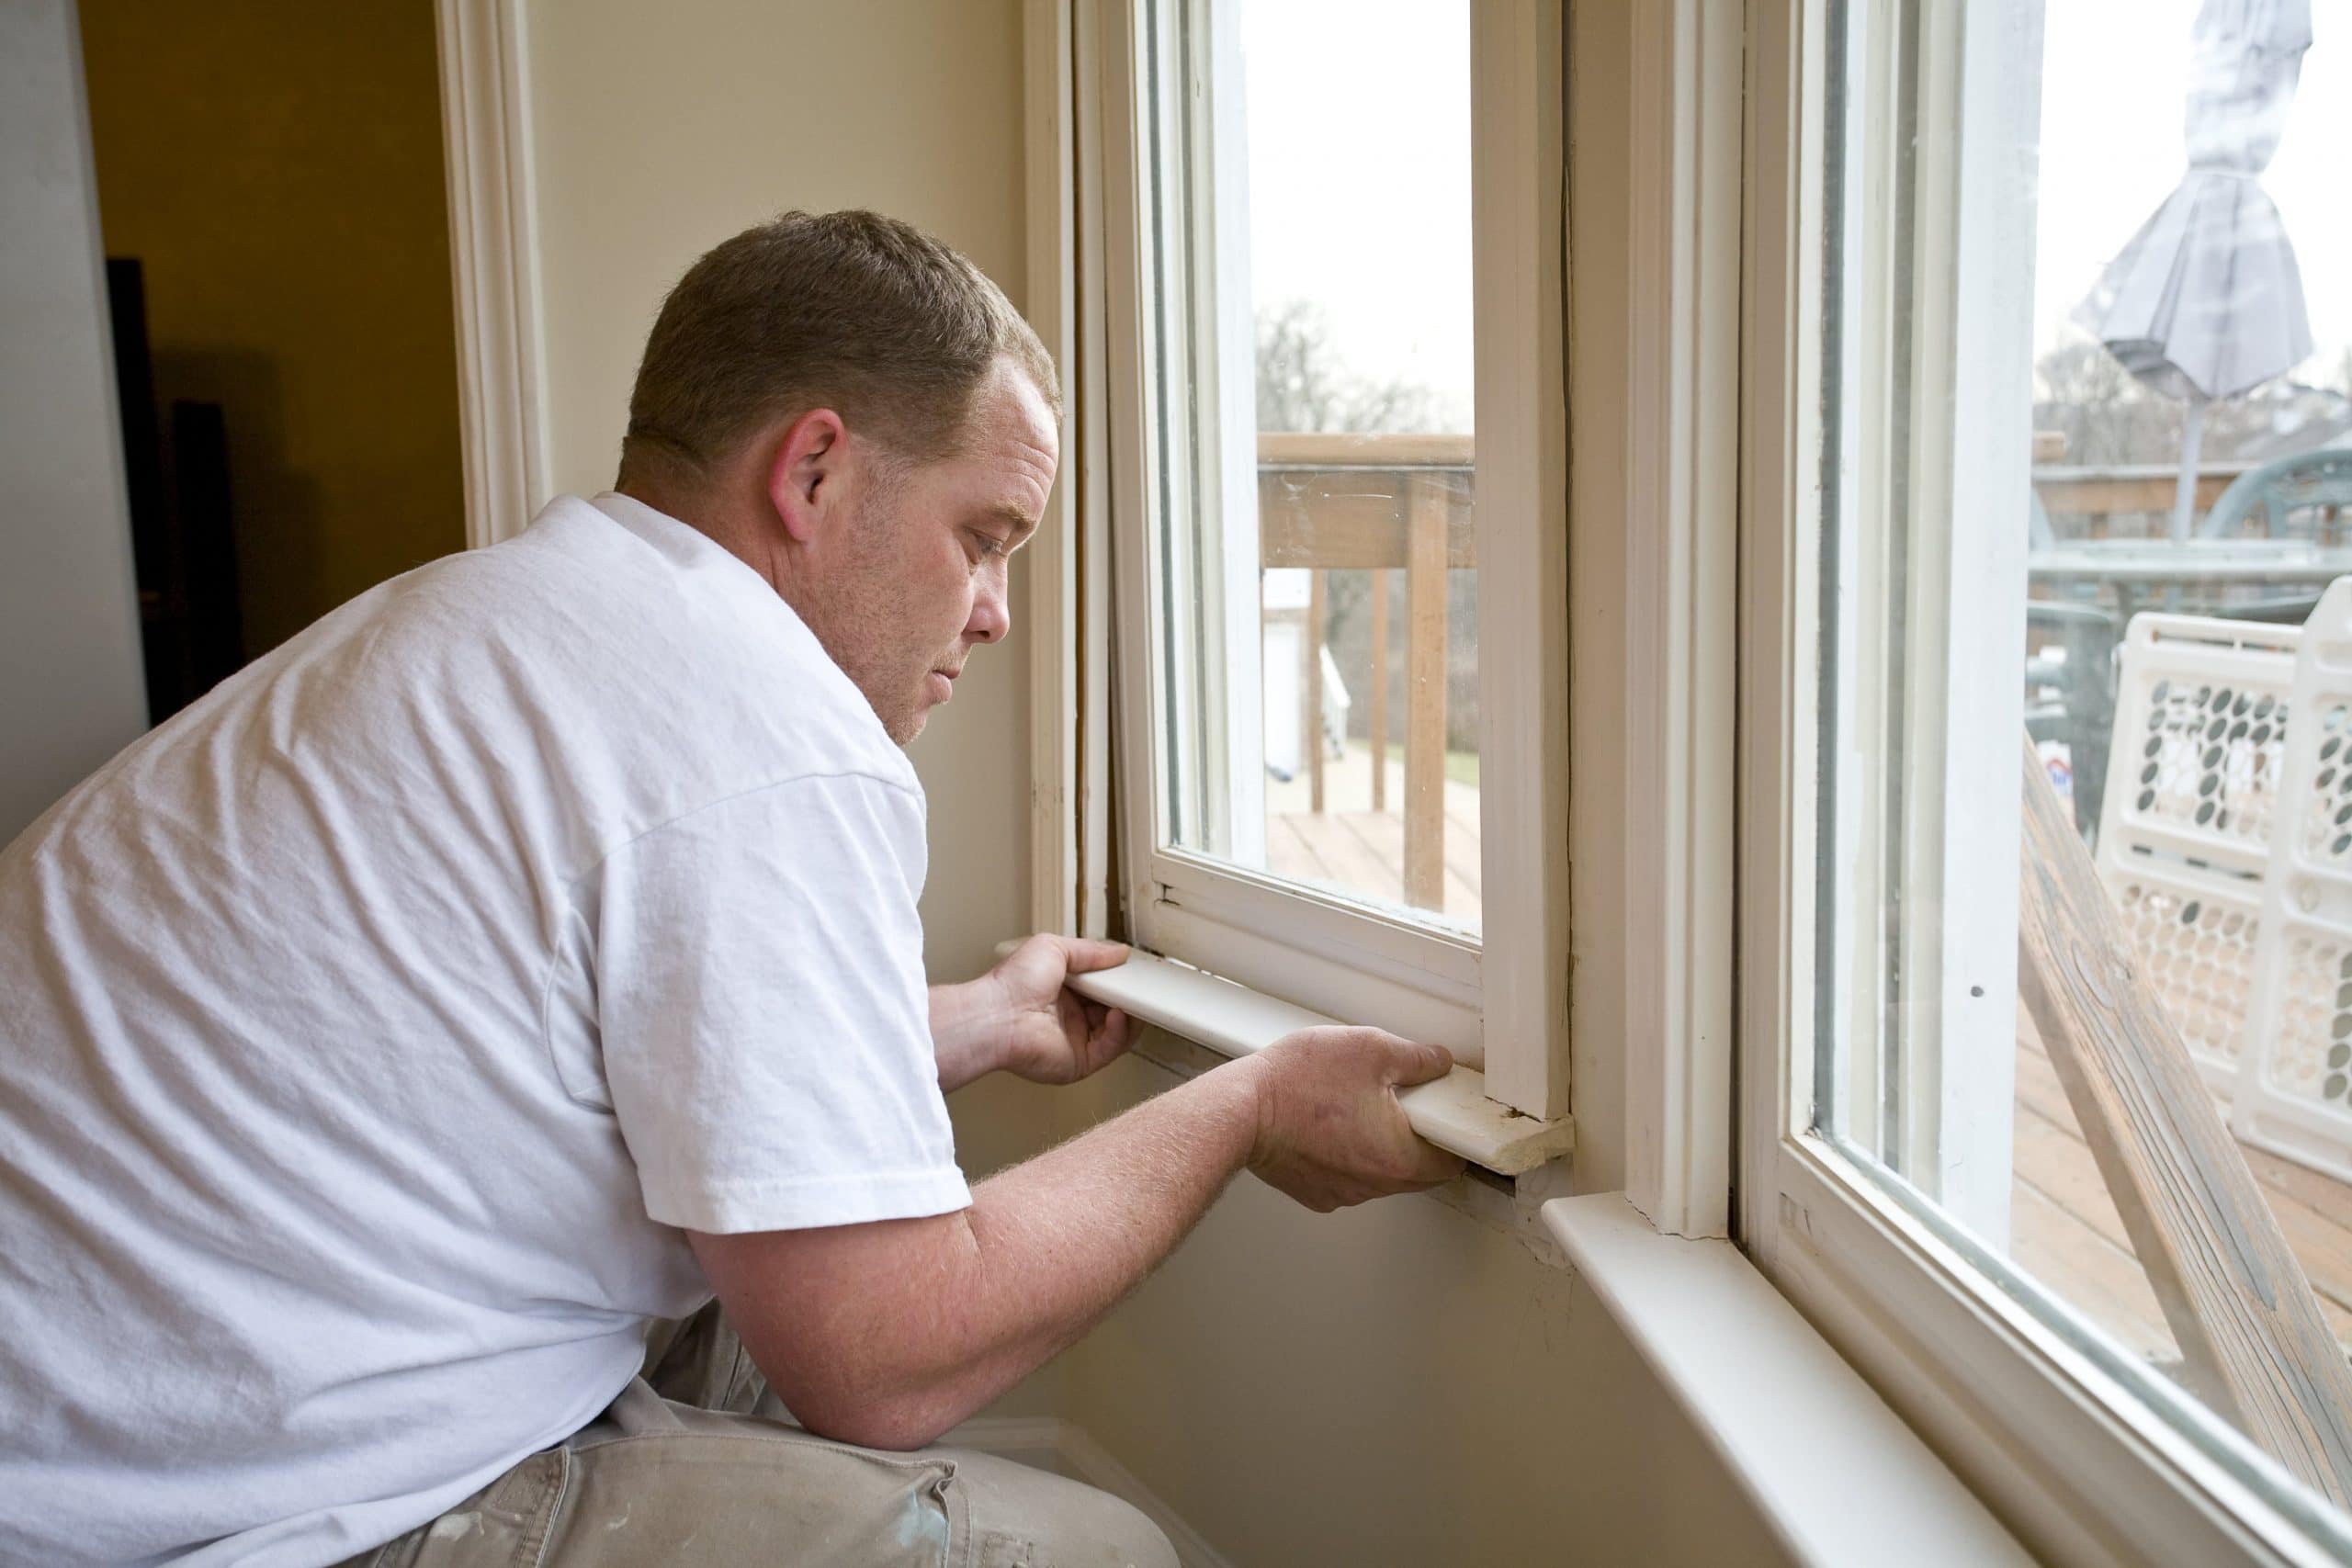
<point x="1504" y="1007"/>
<point x="1671" y="499"/>
<point x="2068" y="1445"/>
<point x="493" y="256"/>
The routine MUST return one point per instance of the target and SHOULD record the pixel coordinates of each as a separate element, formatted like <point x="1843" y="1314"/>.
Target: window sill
<point x="1233" y="1021"/>
<point x="1834" y="1470"/>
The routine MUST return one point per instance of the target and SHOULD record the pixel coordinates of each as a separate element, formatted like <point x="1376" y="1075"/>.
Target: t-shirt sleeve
<point x="763" y="1015"/>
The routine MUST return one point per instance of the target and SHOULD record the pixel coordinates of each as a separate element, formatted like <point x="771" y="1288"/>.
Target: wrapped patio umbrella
<point x="2206" y="301"/>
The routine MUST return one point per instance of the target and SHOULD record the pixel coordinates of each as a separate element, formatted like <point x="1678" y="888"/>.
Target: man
<point x="528" y="951"/>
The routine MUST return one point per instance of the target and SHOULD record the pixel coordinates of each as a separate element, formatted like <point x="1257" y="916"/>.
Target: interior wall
<point x="1397" y="1383"/>
<point x="659" y="131"/>
<point x="69" y="623"/>
<point x="278" y="170"/>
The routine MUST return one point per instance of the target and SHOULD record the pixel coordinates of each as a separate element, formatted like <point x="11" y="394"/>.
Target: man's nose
<point x="991" y="615"/>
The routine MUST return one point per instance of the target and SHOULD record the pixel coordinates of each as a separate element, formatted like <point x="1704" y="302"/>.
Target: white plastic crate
<point x="2184" y="836"/>
<point x="2295" y="1088"/>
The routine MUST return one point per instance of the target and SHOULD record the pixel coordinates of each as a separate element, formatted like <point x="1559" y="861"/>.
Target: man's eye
<point x="990" y="545"/>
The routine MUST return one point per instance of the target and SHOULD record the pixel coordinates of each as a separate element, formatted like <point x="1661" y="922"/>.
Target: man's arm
<point x="887" y="1334"/>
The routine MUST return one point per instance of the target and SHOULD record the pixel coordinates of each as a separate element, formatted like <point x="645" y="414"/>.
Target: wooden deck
<point x="2065" y="1232"/>
<point x="1361" y="850"/>
<point x="2063" y="1227"/>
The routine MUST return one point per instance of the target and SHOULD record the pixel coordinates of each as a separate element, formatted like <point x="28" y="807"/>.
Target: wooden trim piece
<point x="1519" y="210"/>
<point x="2237" y="1301"/>
<point x="1086" y="378"/>
<point x="1051" y="306"/>
<point x="1233" y="1021"/>
<point x="493" y="255"/>
<point x="1681" y="549"/>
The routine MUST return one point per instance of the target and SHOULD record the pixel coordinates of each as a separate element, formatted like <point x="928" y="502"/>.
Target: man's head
<point x="856" y="411"/>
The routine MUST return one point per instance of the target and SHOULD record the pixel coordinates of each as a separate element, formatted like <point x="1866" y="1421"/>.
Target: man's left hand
<point x="1022" y="1017"/>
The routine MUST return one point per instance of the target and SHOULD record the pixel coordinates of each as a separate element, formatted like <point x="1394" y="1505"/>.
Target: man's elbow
<point x="898" y="1423"/>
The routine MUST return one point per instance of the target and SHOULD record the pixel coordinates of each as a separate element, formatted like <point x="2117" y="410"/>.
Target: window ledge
<point x="1836" y="1473"/>
<point x="1453" y="1112"/>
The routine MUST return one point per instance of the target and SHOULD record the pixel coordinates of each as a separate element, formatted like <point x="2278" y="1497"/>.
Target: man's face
<point x="922" y="576"/>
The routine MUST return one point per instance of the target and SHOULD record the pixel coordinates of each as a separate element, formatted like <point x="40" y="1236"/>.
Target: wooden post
<point x="1379" y="579"/>
<point x="2254" y="1346"/>
<point x="1311" y="722"/>
<point x="1425" y="691"/>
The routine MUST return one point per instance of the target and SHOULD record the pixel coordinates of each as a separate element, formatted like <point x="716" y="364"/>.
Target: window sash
<point x="1500" y="1002"/>
<point x="2089" y="1455"/>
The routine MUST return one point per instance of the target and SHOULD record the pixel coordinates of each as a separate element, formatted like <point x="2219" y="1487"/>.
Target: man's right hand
<point x="1329" y="1130"/>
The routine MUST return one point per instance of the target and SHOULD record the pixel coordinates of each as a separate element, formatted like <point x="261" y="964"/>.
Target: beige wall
<point x="277" y="167"/>
<point x="1392" y="1384"/>
<point x="662" y="131"/>
<point x="1397" y="1384"/>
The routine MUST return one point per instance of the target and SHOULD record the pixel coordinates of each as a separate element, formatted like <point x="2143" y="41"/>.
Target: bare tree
<point x="2083" y="391"/>
<point x="1302" y="385"/>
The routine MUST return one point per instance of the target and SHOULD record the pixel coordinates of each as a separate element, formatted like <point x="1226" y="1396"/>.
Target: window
<point x="1322" y="268"/>
<point x="2056" y="737"/>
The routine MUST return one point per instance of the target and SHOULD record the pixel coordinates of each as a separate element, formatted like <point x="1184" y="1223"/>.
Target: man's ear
<point x="804" y="471"/>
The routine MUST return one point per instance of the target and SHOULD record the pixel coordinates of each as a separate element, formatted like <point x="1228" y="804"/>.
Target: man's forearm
<point x="922" y="1332"/>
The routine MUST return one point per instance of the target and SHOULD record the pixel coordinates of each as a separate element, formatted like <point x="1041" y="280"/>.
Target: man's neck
<point x="727" y="526"/>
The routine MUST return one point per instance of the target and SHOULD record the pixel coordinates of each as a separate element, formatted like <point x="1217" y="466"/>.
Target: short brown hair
<point x="849" y="310"/>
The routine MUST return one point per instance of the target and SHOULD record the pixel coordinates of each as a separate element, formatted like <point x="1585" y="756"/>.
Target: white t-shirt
<point x="369" y="1032"/>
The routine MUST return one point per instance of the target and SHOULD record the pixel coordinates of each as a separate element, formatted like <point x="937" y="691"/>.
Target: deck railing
<point x="1392" y="503"/>
<point x="1381" y="504"/>
<point x="2082" y="500"/>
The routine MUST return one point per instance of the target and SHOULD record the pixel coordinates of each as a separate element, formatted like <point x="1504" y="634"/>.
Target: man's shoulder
<point x="665" y="652"/>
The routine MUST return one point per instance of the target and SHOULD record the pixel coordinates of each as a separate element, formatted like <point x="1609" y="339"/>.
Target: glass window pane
<point x="2087" y="477"/>
<point x="1316" y="572"/>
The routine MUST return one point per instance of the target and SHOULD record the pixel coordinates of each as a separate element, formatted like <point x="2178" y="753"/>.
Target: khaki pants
<point x="697" y="1464"/>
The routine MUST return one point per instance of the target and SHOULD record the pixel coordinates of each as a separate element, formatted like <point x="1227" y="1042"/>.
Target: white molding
<point x="1679" y="602"/>
<point x="1050" y="302"/>
<point x="1454" y="1113"/>
<point x="1835" y="1475"/>
<point x="493" y="253"/>
<point x="1518" y="194"/>
<point x="1083" y="1459"/>
<point x="1096" y="824"/>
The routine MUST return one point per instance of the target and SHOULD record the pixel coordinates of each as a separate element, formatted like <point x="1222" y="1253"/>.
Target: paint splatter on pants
<point x="697" y="1464"/>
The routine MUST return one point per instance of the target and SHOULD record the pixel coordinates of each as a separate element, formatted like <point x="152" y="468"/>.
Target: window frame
<point x="2043" y="1424"/>
<point x="1499" y="1002"/>
<point x="1686" y="534"/>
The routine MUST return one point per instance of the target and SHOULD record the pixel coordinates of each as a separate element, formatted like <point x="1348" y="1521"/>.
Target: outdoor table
<point x="2142" y="572"/>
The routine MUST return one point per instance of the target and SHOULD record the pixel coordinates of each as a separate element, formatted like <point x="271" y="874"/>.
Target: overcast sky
<point x="1358" y="129"/>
